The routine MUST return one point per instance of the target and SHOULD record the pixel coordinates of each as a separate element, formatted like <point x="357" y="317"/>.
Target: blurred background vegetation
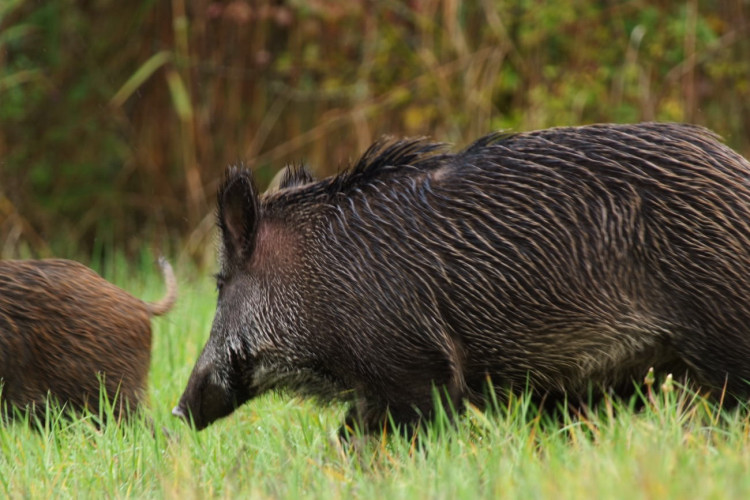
<point x="117" y="119"/>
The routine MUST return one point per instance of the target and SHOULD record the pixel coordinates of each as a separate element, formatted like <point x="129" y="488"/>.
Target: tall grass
<point x="678" y="446"/>
<point x="120" y="117"/>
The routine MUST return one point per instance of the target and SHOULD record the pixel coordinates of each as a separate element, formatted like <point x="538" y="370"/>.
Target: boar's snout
<point x="204" y="401"/>
<point x="210" y="393"/>
<point x="179" y="412"/>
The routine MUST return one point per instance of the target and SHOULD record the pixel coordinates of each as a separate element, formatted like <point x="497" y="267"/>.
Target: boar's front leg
<point x="366" y="417"/>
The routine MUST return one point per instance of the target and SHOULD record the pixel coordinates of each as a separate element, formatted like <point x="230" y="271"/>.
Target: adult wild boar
<point x="568" y="260"/>
<point x="63" y="329"/>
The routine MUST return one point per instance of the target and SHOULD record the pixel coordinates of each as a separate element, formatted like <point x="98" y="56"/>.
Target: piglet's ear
<point x="238" y="213"/>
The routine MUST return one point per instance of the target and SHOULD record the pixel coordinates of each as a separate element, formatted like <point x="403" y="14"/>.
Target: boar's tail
<point x="165" y="304"/>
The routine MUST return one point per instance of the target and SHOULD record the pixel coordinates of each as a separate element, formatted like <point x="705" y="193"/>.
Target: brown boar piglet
<point x="65" y="331"/>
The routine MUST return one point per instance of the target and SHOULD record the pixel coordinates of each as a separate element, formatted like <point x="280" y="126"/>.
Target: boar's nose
<point x="178" y="412"/>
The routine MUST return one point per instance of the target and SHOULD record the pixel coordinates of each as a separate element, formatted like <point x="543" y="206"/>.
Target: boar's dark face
<point x="222" y="378"/>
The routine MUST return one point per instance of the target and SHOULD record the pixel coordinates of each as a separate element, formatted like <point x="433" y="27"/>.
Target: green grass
<point x="282" y="447"/>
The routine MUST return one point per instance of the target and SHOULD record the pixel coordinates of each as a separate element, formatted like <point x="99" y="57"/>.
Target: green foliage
<point x="118" y="118"/>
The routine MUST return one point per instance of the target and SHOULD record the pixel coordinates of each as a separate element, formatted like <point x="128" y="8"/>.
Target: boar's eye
<point x="220" y="280"/>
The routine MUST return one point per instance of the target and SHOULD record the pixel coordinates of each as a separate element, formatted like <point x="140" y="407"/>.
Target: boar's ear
<point x="238" y="213"/>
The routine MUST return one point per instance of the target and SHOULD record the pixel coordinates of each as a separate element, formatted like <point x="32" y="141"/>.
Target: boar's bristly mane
<point x="295" y="175"/>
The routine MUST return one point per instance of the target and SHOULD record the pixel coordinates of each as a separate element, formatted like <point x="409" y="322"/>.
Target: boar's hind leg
<point x="719" y="359"/>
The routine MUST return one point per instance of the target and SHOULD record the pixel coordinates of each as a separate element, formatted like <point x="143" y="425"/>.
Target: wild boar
<point x="564" y="261"/>
<point x="63" y="329"/>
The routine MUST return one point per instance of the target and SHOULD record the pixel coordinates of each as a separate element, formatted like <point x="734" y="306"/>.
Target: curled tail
<point x="165" y="304"/>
